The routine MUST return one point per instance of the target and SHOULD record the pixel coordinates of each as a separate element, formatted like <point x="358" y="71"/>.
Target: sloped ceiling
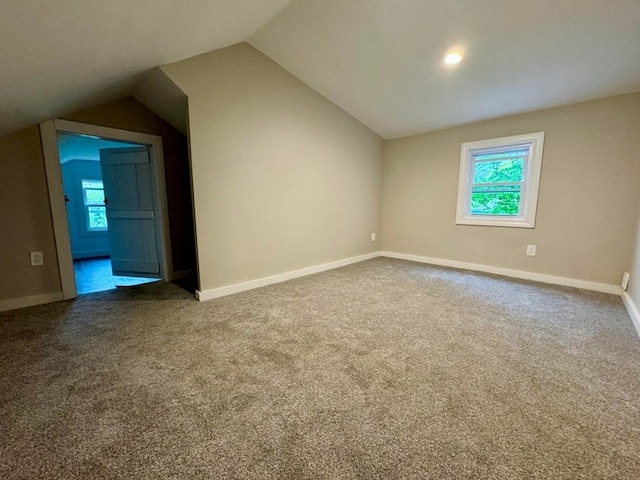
<point x="63" y="55"/>
<point x="381" y="60"/>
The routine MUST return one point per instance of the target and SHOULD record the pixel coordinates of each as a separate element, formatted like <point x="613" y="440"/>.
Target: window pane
<point x="92" y="184"/>
<point x="495" y="203"/>
<point x="499" y="170"/>
<point x="97" y="218"/>
<point x="93" y="197"/>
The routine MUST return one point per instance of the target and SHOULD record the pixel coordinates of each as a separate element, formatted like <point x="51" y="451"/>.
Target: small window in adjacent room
<point x="94" y="206"/>
<point x="499" y="181"/>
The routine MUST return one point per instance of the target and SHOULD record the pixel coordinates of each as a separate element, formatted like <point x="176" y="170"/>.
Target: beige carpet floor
<point x="381" y="370"/>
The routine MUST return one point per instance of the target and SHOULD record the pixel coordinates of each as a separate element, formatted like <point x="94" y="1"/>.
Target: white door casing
<point x="48" y="131"/>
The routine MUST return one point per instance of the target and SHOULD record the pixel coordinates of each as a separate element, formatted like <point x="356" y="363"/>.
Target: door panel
<point x="128" y="185"/>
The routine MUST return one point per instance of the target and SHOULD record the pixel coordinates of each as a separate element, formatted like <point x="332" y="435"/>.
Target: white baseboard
<point x="13" y="303"/>
<point x="507" y="272"/>
<point x="180" y="274"/>
<point x="632" y="310"/>
<point x="283" y="277"/>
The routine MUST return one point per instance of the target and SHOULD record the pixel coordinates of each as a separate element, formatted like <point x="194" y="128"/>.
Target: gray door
<point x="127" y="175"/>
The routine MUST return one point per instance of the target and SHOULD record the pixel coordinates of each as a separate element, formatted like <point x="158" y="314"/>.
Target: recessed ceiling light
<point x="453" y="58"/>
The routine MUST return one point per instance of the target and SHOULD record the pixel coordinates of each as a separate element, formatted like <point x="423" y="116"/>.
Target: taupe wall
<point x="587" y="202"/>
<point x="283" y="179"/>
<point x="25" y="218"/>
<point x="162" y="96"/>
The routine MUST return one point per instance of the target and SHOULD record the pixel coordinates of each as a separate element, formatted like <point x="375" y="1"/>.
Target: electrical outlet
<point x="373" y="237"/>
<point x="37" y="258"/>
<point x="531" y="250"/>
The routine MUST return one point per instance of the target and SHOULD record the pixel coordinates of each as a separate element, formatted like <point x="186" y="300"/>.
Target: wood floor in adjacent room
<point x="381" y="370"/>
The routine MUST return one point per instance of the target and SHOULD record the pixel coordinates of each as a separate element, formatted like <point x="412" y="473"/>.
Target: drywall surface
<point x="163" y="97"/>
<point x="587" y="201"/>
<point x="129" y="114"/>
<point x="282" y="178"/>
<point x="25" y="218"/>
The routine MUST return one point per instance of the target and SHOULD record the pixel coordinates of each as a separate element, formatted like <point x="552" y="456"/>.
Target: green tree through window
<point x="497" y="183"/>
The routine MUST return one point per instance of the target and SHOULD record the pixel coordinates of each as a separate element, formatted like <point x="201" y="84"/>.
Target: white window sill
<point x="496" y="222"/>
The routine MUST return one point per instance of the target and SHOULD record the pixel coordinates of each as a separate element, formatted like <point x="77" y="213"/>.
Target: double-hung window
<point x="94" y="206"/>
<point x="499" y="180"/>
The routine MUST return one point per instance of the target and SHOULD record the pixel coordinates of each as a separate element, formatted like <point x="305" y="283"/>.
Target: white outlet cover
<point x="531" y="250"/>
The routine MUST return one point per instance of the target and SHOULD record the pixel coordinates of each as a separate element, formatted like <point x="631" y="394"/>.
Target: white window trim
<point x="535" y="142"/>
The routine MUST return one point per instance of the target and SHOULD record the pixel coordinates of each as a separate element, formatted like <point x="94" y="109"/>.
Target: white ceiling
<point x="63" y="55"/>
<point x="380" y="60"/>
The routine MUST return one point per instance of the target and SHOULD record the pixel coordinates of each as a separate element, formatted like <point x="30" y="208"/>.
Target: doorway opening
<point x="86" y="210"/>
<point x="109" y="206"/>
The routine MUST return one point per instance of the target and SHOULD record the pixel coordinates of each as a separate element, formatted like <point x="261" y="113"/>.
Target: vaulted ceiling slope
<point x="63" y="55"/>
<point x="381" y="60"/>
